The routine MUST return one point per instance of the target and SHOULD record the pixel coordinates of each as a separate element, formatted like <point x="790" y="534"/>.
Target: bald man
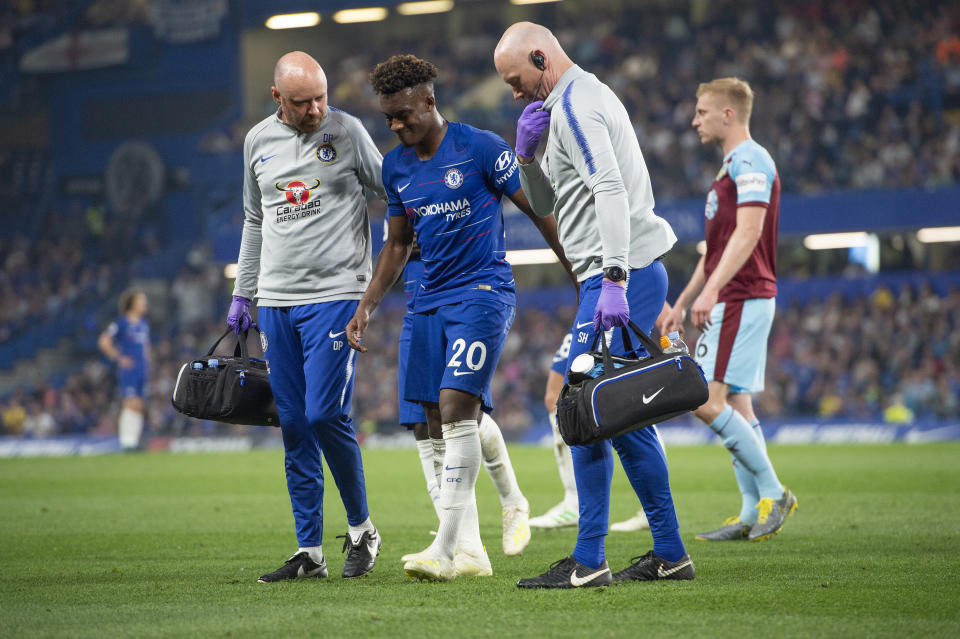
<point x="305" y="256"/>
<point x="596" y="183"/>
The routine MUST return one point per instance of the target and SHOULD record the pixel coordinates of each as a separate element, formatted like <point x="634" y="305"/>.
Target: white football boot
<point x="638" y="522"/>
<point x="563" y="515"/>
<point x="516" y="528"/>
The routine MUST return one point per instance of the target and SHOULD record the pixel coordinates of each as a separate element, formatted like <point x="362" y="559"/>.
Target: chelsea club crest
<point x="326" y="153"/>
<point x="453" y="178"/>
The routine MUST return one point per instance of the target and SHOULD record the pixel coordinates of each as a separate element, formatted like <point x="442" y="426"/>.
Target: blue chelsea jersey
<point x="131" y="338"/>
<point x="454" y="201"/>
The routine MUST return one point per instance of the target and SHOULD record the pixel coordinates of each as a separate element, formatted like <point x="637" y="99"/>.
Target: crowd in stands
<point x="851" y="95"/>
<point x="848" y="95"/>
<point x="857" y="358"/>
<point x="892" y="355"/>
<point x="78" y="254"/>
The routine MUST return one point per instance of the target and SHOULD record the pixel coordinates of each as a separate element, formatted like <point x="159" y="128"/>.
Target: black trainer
<point x="569" y="573"/>
<point x="650" y="567"/>
<point x="361" y="556"/>
<point x="300" y="566"/>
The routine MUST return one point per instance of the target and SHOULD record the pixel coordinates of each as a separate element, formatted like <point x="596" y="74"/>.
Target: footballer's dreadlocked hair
<point x="401" y="72"/>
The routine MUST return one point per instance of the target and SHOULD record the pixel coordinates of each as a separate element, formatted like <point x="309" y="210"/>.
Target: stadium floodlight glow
<point x="532" y="256"/>
<point x="531" y="1"/>
<point x="293" y="20"/>
<point x="835" y="240"/>
<point x="939" y="234"/>
<point x="230" y="271"/>
<point x="364" y="14"/>
<point x="426" y="6"/>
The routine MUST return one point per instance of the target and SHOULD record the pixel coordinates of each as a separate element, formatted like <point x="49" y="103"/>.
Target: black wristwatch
<point x="614" y="274"/>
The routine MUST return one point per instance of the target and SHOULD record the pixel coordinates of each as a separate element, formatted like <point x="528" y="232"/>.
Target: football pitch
<point x="171" y="545"/>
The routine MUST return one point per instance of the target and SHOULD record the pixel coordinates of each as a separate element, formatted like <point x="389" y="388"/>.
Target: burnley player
<point x="732" y="292"/>
<point x="446" y="181"/>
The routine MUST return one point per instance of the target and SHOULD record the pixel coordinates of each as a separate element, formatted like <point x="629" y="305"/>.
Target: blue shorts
<point x="410" y="412"/>
<point x="457" y="346"/>
<point x="733" y="349"/>
<point x="646" y="293"/>
<point x="132" y="382"/>
<point x="560" y="358"/>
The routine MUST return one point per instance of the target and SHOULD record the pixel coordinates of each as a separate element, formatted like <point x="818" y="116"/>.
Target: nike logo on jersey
<point x="647" y="400"/>
<point x="401" y="188"/>
<point x="459" y="373"/>
<point x="576" y="581"/>
<point x="333" y="335"/>
<point x="582" y="324"/>
<point x="264" y="159"/>
<point x="666" y="573"/>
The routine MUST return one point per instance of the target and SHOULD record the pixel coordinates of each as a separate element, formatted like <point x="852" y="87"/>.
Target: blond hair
<point x="735" y="91"/>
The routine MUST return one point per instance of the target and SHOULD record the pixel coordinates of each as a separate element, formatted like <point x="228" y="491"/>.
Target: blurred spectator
<point x="854" y="95"/>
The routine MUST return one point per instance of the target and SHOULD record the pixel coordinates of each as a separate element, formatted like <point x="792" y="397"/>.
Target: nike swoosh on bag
<point x="333" y="335"/>
<point x="576" y="582"/>
<point x="666" y="573"/>
<point x="647" y="400"/>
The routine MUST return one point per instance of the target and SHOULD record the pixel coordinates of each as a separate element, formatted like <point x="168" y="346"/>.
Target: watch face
<point x="614" y="273"/>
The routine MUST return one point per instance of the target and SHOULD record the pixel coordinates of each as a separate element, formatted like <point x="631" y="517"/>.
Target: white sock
<point x="439" y="450"/>
<point x="469" y="535"/>
<point x="425" y="449"/>
<point x="496" y="460"/>
<point x="565" y="465"/>
<point x="315" y="552"/>
<point x="129" y="428"/>
<point x="461" y="465"/>
<point x="357" y="531"/>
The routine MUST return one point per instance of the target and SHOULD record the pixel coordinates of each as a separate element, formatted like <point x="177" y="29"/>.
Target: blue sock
<point x="593" y="470"/>
<point x="749" y="495"/>
<point x="758" y="431"/>
<point x="645" y="463"/>
<point x="739" y="438"/>
<point x="747" y="483"/>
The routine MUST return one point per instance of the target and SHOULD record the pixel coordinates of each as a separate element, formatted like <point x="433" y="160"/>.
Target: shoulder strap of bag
<point x="604" y="349"/>
<point x="240" y="350"/>
<point x="217" y="343"/>
<point x="652" y="347"/>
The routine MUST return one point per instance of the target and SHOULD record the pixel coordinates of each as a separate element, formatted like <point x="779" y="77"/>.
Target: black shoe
<point x="569" y="573"/>
<point x="649" y="567"/>
<point x="361" y="556"/>
<point x="300" y="566"/>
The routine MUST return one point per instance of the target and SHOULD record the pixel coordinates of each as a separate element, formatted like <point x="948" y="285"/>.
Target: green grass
<point x="171" y="545"/>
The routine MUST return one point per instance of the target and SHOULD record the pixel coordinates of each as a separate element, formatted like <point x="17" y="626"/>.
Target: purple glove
<point x="239" y="316"/>
<point x="530" y="127"/>
<point x="612" y="309"/>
